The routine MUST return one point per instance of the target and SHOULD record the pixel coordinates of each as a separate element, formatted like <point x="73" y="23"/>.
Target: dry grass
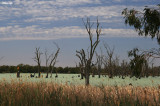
<point x="51" y="94"/>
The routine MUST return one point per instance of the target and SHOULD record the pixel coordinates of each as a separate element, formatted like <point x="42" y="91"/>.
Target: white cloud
<point x="56" y="2"/>
<point x="6" y="3"/>
<point x="48" y="10"/>
<point x="54" y="14"/>
<point x="36" y="33"/>
<point x="36" y="11"/>
<point x="119" y="33"/>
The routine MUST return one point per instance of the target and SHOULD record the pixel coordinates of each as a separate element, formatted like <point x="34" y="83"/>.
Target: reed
<point x="51" y="94"/>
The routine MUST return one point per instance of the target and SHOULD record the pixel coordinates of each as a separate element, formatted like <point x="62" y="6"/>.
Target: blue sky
<point x="27" y="24"/>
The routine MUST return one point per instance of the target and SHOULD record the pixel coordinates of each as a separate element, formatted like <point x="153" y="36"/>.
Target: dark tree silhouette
<point x="138" y="63"/>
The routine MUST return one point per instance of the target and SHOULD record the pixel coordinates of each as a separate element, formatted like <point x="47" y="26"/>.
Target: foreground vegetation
<point x="46" y="94"/>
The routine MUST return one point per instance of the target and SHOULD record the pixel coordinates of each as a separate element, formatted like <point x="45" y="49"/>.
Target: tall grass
<point x="51" y="94"/>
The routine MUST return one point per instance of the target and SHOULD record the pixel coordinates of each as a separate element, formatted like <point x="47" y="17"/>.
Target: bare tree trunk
<point x="99" y="75"/>
<point x="81" y="75"/>
<point x="56" y="74"/>
<point x="87" y="79"/>
<point x="47" y="72"/>
<point x="39" y="71"/>
<point x="51" y="74"/>
<point x="82" y="55"/>
<point x="38" y="60"/>
<point x="93" y="72"/>
<point x="18" y="74"/>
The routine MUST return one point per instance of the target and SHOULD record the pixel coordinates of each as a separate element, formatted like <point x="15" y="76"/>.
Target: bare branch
<point x="87" y="56"/>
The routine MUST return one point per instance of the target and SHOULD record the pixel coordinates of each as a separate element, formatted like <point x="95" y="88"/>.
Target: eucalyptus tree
<point x="147" y="23"/>
<point x="87" y="56"/>
<point x="138" y="62"/>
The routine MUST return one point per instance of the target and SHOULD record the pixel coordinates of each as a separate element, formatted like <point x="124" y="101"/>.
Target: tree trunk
<point x="39" y="74"/>
<point x="87" y="79"/>
<point x="47" y="72"/>
<point x="99" y="75"/>
<point x="18" y="74"/>
<point x="47" y="75"/>
<point x="56" y="75"/>
<point x="81" y="75"/>
<point x="51" y="73"/>
<point x="93" y="75"/>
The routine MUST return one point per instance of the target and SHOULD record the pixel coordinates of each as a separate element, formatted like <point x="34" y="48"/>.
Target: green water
<point x="73" y="79"/>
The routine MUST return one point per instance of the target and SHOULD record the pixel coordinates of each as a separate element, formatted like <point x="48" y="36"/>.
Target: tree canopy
<point x="146" y="22"/>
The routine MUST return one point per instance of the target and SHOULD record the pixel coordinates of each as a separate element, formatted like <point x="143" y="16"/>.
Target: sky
<point x="27" y="24"/>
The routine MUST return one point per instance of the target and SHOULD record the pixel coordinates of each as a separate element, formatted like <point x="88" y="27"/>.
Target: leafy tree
<point x="146" y="22"/>
<point x="138" y="62"/>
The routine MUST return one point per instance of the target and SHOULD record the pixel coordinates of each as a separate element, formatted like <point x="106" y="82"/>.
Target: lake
<point x="73" y="79"/>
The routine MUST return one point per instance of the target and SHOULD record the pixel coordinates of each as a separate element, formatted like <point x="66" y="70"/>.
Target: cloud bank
<point x="53" y="19"/>
<point x="36" y="33"/>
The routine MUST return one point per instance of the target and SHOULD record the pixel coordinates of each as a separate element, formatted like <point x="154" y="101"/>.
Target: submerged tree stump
<point x="18" y="74"/>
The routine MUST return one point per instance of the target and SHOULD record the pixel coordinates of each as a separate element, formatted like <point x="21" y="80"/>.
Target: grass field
<point x="73" y="79"/>
<point x="69" y="90"/>
<point x="52" y="94"/>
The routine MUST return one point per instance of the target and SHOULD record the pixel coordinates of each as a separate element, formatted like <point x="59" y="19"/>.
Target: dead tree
<point x="81" y="64"/>
<point x="37" y="59"/>
<point x="47" y="61"/>
<point x="108" y="60"/>
<point x="54" y="60"/>
<point x="124" y="66"/>
<point x="87" y="57"/>
<point x="99" y="63"/>
<point x="51" y="61"/>
<point x="116" y="66"/>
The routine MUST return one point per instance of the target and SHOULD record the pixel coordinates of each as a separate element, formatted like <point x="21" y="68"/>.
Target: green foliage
<point x="137" y="62"/>
<point x="145" y="23"/>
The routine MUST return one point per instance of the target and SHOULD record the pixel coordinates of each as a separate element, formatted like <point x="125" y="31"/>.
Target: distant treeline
<point x="116" y="71"/>
<point x="31" y="69"/>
